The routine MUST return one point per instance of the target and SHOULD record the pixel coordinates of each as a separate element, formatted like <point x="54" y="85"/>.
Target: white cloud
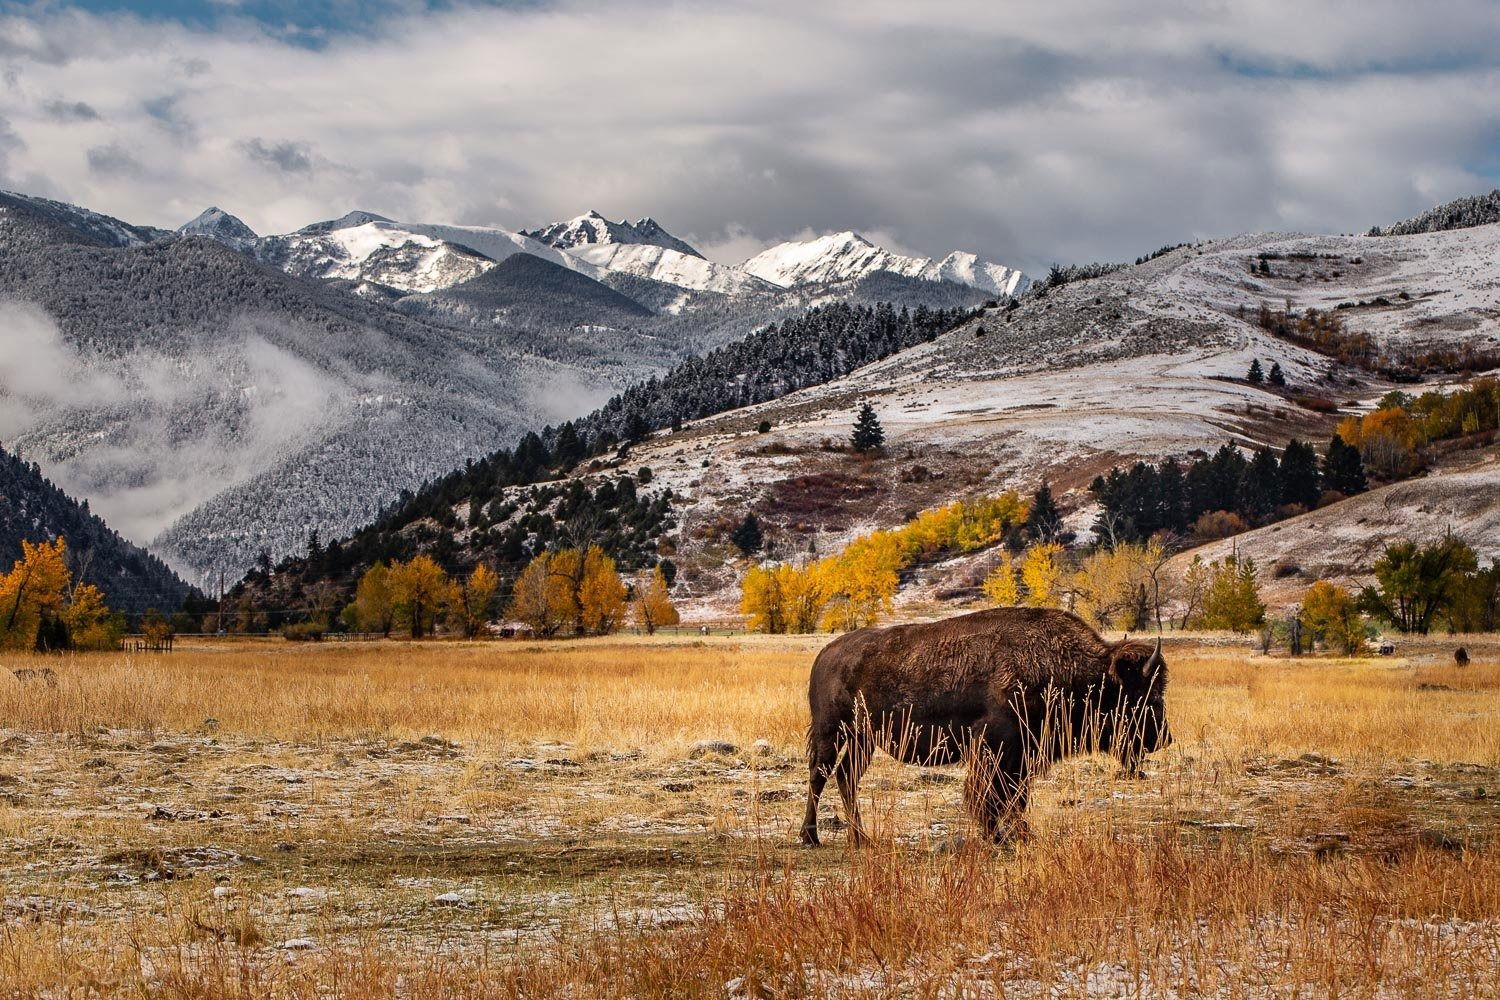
<point x="1027" y="131"/>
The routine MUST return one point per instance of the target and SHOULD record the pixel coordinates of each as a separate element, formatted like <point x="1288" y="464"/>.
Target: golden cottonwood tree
<point x="471" y="605"/>
<point x="420" y="592"/>
<point x="601" y="593"/>
<point x="1331" y="614"/>
<point x="542" y="599"/>
<point x="372" y="609"/>
<point x="91" y="625"/>
<point x="35" y="588"/>
<point x="651" y="604"/>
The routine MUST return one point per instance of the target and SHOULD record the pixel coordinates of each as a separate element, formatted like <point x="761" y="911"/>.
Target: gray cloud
<point x="1030" y="132"/>
<point x="70" y="111"/>
<point x="292" y="157"/>
<point x="113" y="160"/>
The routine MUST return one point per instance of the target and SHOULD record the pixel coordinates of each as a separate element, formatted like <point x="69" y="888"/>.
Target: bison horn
<point x="1155" y="662"/>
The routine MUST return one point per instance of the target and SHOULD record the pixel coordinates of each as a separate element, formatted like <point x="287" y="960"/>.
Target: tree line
<point x="1217" y="495"/>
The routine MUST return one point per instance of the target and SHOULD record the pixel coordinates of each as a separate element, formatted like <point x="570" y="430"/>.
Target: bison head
<point x="1137" y="723"/>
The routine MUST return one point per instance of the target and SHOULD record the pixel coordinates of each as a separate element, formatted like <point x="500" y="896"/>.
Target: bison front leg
<point x="996" y="791"/>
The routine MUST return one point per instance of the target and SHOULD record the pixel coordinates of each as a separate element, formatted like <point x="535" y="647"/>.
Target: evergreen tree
<point x="569" y="448"/>
<point x="748" y="537"/>
<point x="1277" y="376"/>
<point x="1299" y="475"/>
<point x="1214" y="484"/>
<point x="1044" y="521"/>
<point x="1256" y="375"/>
<point x="1172" y="490"/>
<point x="1260" y="487"/>
<point x="868" y="435"/>
<point x="1343" y="469"/>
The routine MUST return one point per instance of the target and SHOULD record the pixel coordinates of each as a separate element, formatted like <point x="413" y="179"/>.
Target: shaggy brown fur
<point x="1005" y="691"/>
<point x="1461" y="656"/>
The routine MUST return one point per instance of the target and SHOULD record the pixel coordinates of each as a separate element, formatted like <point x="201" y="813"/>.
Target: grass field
<point x="257" y="819"/>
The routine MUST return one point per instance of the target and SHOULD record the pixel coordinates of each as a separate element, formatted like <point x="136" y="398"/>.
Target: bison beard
<point x="1005" y="692"/>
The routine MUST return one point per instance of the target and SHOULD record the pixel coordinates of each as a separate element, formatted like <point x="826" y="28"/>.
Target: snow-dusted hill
<point x="846" y="255"/>
<point x="591" y="229"/>
<point x="1142" y="363"/>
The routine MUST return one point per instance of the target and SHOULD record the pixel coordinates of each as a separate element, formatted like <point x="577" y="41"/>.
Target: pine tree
<point x="1256" y="375"/>
<point x="1343" y="469"/>
<point x="1277" y="376"/>
<point x="1299" y="475"/>
<point x="1044" y="521"/>
<point x="748" y="537"/>
<point x="868" y="435"/>
<point x="1260" y="487"/>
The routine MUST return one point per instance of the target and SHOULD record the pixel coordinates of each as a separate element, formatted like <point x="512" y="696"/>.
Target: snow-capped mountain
<point x="667" y="265"/>
<point x="848" y="255"/>
<point x="592" y="228"/>
<point x="376" y="251"/>
<point x="219" y="225"/>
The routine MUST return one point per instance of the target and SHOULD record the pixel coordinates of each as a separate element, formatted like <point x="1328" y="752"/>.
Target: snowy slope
<point x="592" y="229"/>
<point x="670" y="266"/>
<point x="1427" y="288"/>
<point x="847" y="255"/>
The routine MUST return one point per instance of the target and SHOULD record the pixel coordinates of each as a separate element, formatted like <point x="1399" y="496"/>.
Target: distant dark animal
<point x="1387" y="648"/>
<point x="1005" y="691"/>
<point x="1461" y="656"/>
<point x="28" y="675"/>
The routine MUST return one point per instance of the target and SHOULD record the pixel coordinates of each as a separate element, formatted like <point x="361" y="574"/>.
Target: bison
<point x="1461" y="656"/>
<point x="1005" y="691"/>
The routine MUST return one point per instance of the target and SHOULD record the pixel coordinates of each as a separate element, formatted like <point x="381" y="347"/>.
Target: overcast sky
<point x="1027" y="132"/>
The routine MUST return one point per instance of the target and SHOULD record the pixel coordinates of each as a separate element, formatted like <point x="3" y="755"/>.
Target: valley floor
<point x="617" y="817"/>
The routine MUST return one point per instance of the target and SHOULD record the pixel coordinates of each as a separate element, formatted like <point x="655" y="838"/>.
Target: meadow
<point x="616" y="817"/>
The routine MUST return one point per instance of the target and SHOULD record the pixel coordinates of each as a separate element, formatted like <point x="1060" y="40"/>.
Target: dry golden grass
<point x="1322" y="827"/>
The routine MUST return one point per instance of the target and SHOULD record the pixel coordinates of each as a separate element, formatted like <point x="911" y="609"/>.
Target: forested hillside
<point x="489" y="511"/>
<point x="34" y="510"/>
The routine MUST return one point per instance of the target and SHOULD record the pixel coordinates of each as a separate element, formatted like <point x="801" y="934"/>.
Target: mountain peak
<point x="593" y="228"/>
<point x="216" y="224"/>
<point x="348" y="220"/>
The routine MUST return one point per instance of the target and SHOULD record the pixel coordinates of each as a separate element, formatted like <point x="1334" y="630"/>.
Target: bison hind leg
<point x="822" y="755"/>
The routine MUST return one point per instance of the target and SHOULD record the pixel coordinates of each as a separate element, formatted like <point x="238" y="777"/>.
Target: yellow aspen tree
<point x="1042" y="575"/>
<point x="763" y="601"/>
<point x="1001" y="586"/>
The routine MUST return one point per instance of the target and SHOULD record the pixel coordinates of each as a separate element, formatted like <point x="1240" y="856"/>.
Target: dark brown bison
<point x="1005" y="691"/>
<point x="1461" y="656"/>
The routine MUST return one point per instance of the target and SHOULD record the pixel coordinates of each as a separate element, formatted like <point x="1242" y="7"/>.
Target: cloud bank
<point x="1028" y="131"/>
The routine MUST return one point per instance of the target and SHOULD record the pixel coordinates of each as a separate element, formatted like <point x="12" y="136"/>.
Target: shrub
<point x="304" y="632"/>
